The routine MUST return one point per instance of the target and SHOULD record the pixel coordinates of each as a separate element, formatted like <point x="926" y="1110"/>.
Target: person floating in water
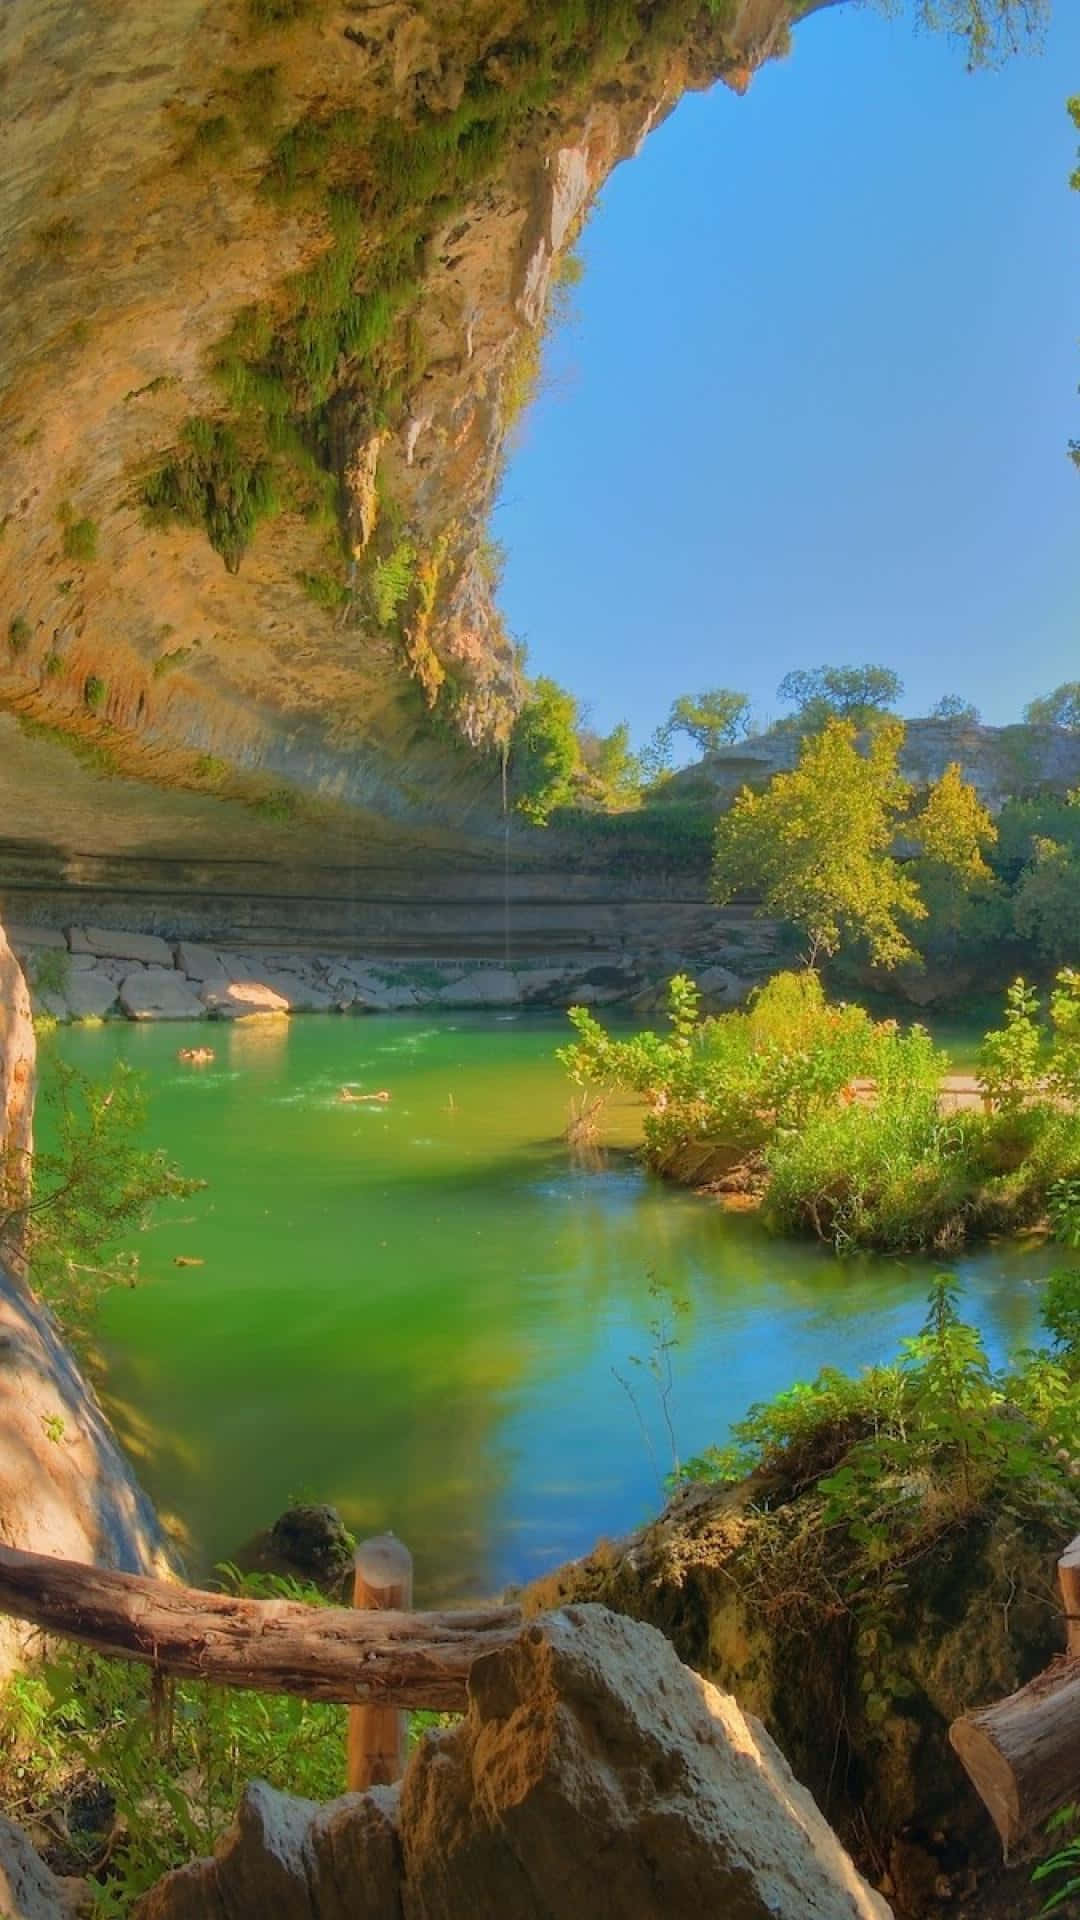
<point x="196" y="1056"/>
<point x="349" y="1093"/>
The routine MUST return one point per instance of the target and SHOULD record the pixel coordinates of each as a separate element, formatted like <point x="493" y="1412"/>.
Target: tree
<point x="544" y="750"/>
<point x="711" y="719"/>
<point x="952" y="707"/>
<point x="1058" y="709"/>
<point x="954" y="832"/>
<point x="816" y="844"/>
<point x="613" y="770"/>
<point x="1046" y="904"/>
<point x="992" y="29"/>
<point x="821" y="694"/>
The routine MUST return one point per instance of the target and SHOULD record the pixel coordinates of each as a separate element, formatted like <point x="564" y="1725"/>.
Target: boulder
<point x="199" y="963"/>
<point x="379" y="998"/>
<point x="90" y="996"/>
<point x="243" y="1000"/>
<point x="28" y="1891"/>
<point x="488" y="987"/>
<point x="24" y="939"/>
<point x="289" y="1859"/>
<point x="121" y="946"/>
<point x="154" y="994"/>
<point x="314" y="1539"/>
<point x="591" y="1774"/>
<point x="719" y="987"/>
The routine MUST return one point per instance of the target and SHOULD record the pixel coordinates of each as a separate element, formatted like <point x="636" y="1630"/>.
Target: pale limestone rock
<point x="243" y="1000"/>
<point x="23" y="940"/>
<point x="28" y="1891"/>
<point x="293" y="1860"/>
<point x="109" y="945"/>
<point x="17" y="1060"/>
<point x="720" y="987"/>
<point x="386" y="999"/>
<point x="90" y="996"/>
<point x="593" y="1774"/>
<point x="157" y="994"/>
<point x="199" y="963"/>
<point x="489" y="987"/>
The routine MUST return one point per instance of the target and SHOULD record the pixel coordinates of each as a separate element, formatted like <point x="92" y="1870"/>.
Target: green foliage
<point x="952" y="707"/>
<point x="92" y="1184"/>
<point x="325" y="590"/>
<point x="990" y="29"/>
<point x="51" y="970"/>
<point x="771" y="1097"/>
<point x="820" y="694"/>
<point x="544" y="750"/>
<point x="903" y="1455"/>
<point x="1046" y="902"/>
<point x="611" y="771"/>
<point x="215" y="482"/>
<point x="673" y="835"/>
<point x="392" y="581"/>
<point x="1009" y="1058"/>
<point x="80" y="540"/>
<point x="816" y="844"/>
<point x="170" y="1767"/>
<point x="280" y="803"/>
<point x="726" y="1086"/>
<point x="18" y="633"/>
<point x="712" y="719"/>
<point x="94" y="692"/>
<point x="171" y="661"/>
<point x="1058" y="709"/>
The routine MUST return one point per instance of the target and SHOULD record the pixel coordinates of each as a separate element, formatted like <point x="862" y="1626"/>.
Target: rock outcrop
<point x="592" y="1773"/>
<point x="272" y="284"/>
<point x="65" y="1486"/>
<point x="16" y="1103"/>
<point x="28" y="1891"/>
<point x="860" y="1702"/>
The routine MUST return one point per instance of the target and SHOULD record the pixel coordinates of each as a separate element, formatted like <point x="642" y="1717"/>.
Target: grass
<point x="91" y="754"/>
<point x="94" y="692"/>
<point x="216" y="482"/>
<point x="80" y="540"/>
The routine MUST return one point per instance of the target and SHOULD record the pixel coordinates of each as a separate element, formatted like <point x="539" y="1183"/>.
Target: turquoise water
<point x="418" y="1311"/>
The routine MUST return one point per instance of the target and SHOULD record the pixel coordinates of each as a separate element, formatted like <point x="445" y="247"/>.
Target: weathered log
<point x="274" y="1646"/>
<point x="378" y="1735"/>
<point x="1023" y="1755"/>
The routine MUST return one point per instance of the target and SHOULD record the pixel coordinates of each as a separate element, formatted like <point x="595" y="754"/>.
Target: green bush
<point x="81" y="541"/>
<point x="18" y="633"/>
<point x="94" y="692"/>
<point x="215" y="482"/>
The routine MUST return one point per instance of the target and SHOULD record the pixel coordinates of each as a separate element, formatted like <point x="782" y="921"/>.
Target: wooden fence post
<point x="382" y="1578"/>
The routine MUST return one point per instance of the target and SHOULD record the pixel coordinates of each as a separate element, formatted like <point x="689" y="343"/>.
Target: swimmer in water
<point x="347" y="1093"/>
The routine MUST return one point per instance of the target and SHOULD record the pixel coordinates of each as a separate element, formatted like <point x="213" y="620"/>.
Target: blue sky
<point x="816" y="401"/>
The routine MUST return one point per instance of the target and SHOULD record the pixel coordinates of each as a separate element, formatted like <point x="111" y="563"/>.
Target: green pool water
<point x="419" y="1311"/>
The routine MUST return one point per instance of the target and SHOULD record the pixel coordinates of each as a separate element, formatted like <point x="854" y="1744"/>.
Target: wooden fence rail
<point x="376" y="1659"/>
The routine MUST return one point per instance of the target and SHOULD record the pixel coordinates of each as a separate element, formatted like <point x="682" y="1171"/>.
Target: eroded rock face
<point x="65" y="1487"/>
<point x="219" y="218"/>
<point x="16" y="1101"/>
<point x="28" y="1891"/>
<point x="592" y="1773"/>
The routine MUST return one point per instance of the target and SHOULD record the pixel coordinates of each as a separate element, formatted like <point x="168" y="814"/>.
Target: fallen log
<point x="274" y="1646"/>
<point x="1022" y="1755"/>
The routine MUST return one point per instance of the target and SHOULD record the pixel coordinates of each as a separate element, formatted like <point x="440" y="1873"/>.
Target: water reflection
<point x="420" y="1314"/>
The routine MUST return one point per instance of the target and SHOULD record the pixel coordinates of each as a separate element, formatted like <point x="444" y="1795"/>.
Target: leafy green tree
<point x="1058" y="709"/>
<point x="613" y="771"/>
<point x="816" y="844"/>
<point x="954" y="829"/>
<point x="544" y="750"/>
<point x="821" y="694"/>
<point x="1046" y="904"/>
<point x="952" y="707"/>
<point x="991" y="29"/>
<point x="711" y="719"/>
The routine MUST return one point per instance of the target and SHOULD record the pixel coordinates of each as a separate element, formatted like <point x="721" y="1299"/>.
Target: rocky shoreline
<point x="99" y="973"/>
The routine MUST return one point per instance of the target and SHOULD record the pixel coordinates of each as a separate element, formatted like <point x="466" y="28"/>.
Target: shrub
<point x="81" y="541"/>
<point x="94" y="692"/>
